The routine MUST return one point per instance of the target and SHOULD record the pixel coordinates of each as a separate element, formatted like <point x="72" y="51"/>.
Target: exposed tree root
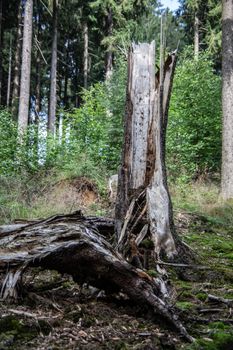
<point x="71" y="244"/>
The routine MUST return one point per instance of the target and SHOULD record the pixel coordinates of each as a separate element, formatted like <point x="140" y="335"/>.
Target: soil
<point x="54" y="313"/>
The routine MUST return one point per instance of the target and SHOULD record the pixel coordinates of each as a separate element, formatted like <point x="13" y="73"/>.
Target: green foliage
<point x="194" y="128"/>
<point x="88" y="124"/>
<point x="184" y="305"/>
<point x="17" y="157"/>
<point x="96" y="128"/>
<point x="209" y="16"/>
<point x="219" y="341"/>
<point x="116" y="90"/>
<point x="8" y="136"/>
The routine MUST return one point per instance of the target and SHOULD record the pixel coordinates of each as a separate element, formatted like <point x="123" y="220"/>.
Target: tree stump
<point x="143" y="196"/>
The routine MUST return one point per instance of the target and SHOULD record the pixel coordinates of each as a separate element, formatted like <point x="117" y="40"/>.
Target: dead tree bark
<point x="71" y="244"/>
<point x="143" y="195"/>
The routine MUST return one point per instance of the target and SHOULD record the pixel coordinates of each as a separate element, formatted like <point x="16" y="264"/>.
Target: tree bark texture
<point x="53" y="74"/>
<point x="25" y="68"/>
<point x="66" y="76"/>
<point x="38" y="68"/>
<point x="85" y="55"/>
<point x="71" y="244"/>
<point x="9" y="75"/>
<point x="109" y="53"/>
<point x="227" y="99"/>
<point x="15" y="90"/>
<point x="38" y="88"/>
<point x="196" y="36"/>
<point x="142" y="188"/>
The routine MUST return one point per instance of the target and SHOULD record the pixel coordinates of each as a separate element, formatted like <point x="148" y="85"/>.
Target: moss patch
<point x="184" y="305"/>
<point x="13" y="330"/>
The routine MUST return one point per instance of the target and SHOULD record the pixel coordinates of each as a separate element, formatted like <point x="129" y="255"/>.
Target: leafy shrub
<point x="8" y="142"/>
<point x="194" y="128"/>
<point x="17" y="157"/>
<point x="96" y="128"/>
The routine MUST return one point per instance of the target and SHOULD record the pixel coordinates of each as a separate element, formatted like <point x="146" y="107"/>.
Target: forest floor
<point x="54" y="313"/>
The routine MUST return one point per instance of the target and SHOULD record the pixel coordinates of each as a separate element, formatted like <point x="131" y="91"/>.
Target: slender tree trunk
<point x="25" y="68"/>
<point x="76" y="97"/>
<point x="1" y="43"/>
<point x="66" y="78"/>
<point x="65" y="97"/>
<point x="85" y="55"/>
<point x="227" y="99"/>
<point x="15" y="91"/>
<point x="53" y="75"/>
<point x="9" y="74"/>
<point x="109" y="54"/>
<point x="38" y="68"/>
<point x="196" y="36"/>
<point x="38" y="88"/>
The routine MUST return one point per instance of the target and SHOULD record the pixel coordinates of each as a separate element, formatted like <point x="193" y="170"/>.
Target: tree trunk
<point x="38" y="67"/>
<point x="71" y="244"/>
<point x="143" y="195"/>
<point x="85" y="55"/>
<point x="1" y="44"/>
<point x="53" y="75"/>
<point x="65" y="95"/>
<point x="15" y="91"/>
<point x="9" y="74"/>
<point x="227" y="99"/>
<point x="66" y="78"/>
<point x="25" y="68"/>
<point x="196" y="36"/>
<point x="38" y="88"/>
<point x="109" y="53"/>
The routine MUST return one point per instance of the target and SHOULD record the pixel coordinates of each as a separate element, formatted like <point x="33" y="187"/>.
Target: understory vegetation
<point x="89" y="140"/>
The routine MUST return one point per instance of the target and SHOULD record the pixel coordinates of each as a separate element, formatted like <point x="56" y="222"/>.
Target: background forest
<point x="63" y="80"/>
<point x="76" y="91"/>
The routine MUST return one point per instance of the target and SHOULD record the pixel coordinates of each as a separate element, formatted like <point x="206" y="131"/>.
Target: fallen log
<point x="71" y="244"/>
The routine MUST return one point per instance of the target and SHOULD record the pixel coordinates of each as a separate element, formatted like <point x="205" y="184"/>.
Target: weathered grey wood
<point x="142" y="176"/>
<point x="6" y="229"/>
<point x="159" y="203"/>
<point x="142" y="94"/>
<point x="70" y="244"/>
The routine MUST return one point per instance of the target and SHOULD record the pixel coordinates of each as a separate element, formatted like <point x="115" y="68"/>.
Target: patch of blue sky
<point x="172" y="4"/>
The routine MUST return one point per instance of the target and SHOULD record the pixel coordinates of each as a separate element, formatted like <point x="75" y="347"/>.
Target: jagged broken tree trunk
<point x="143" y="203"/>
<point x="72" y="244"/>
